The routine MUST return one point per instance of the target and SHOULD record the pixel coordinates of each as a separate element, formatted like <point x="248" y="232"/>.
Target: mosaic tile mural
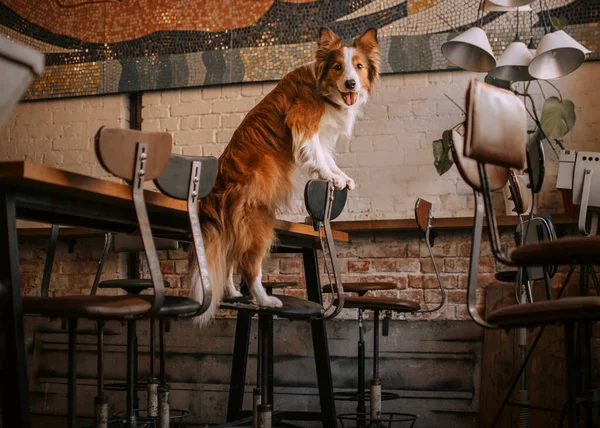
<point x="107" y="46"/>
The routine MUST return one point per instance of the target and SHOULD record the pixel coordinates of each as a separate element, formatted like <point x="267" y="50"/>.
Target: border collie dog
<point x="296" y="125"/>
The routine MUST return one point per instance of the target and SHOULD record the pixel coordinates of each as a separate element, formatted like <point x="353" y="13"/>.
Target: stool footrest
<point x="387" y="420"/>
<point x="354" y="396"/>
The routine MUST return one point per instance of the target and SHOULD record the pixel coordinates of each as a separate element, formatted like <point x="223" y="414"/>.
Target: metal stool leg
<point x="131" y="386"/>
<point x="375" y="382"/>
<point x="361" y="408"/>
<point x="571" y="380"/>
<point x="152" y="388"/>
<point x="265" y="409"/>
<point x="163" y="389"/>
<point x="72" y="373"/>
<point x="100" y="401"/>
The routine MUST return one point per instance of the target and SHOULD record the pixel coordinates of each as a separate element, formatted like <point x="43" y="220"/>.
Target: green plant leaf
<point x="504" y="84"/>
<point x="441" y="154"/>
<point x="561" y="22"/>
<point x="558" y="117"/>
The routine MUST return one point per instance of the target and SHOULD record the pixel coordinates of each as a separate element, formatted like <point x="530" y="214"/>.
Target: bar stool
<point x="139" y="157"/>
<point x="324" y="203"/>
<point x="496" y="138"/>
<point x="376" y="396"/>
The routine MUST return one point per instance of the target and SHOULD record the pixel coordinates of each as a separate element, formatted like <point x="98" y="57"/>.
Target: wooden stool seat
<point x="293" y="307"/>
<point x="506" y="276"/>
<point x="281" y="284"/>
<point x="547" y="312"/>
<point x="363" y="287"/>
<point x="175" y="306"/>
<point x="103" y="307"/>
<point x="567" y="251"/>
<point x="381" y="304"/>
<point x="131" y="286"/>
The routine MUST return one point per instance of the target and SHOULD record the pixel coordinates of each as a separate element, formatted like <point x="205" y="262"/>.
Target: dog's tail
<point x="217" y="272"/>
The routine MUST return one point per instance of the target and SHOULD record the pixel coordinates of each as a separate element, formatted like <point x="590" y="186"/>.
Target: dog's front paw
<point x="350" y="183"/>
<point x="269" y="302"/>
<point x="339" y="181"/>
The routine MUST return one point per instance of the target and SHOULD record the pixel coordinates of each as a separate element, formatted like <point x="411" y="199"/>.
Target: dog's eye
<point x="337" y="67"/>
<point x="359" y="66"/>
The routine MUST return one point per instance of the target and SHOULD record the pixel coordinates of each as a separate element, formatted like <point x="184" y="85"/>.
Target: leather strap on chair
<point x="496" y="126"/>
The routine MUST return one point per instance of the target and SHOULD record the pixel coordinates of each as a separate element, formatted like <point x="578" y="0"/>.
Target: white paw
<point x="339" y="181"/>
<point x="350" y="183"/>
<point x="234" y="293"/>
<point x="269" y="302"/>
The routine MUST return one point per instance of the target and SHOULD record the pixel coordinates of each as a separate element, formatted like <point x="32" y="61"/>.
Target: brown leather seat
<point x="131" y="286"/>
<point x="546" y="312"/>
<point x="566" y="251"/>
<point x="293" y="307"/>
<point x="363" y="287"/>
<point x="105" y="307"/>
<point x="175" y="306"/>
<point x="381" y="303"/>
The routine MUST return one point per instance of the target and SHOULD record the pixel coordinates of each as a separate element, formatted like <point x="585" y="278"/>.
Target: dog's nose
<point x="350" y="84"/>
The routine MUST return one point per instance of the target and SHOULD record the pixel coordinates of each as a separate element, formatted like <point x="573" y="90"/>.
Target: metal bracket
<point x="429" y="236"/>
<point x="145" y="229"/>
<point x="192" y="205"/>
<point x="585" y="199"/>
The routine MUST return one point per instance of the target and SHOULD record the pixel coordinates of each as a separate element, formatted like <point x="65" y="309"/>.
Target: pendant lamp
<point x="557" y="55"/>
<point x="470" y="51"/>
<point x="513" y="64"/>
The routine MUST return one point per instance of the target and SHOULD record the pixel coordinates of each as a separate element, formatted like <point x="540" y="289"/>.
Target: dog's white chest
<point x="335" y="123"/>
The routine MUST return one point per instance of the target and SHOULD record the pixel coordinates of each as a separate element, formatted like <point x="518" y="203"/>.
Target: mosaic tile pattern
<point x="97" y="47"/>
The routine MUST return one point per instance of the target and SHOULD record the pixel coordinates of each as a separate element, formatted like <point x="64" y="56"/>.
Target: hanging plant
<point x="558" y="117"/>
<point x="442" y="155"/>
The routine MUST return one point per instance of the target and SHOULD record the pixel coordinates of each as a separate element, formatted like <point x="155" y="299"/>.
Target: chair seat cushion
<point x="175" y="306"/>
<point x="293" y="307"/>
<point x="362" y="287"/>
<point x="581" y="250"/>
<point x="112" y="307"/>
<point x="131" y="286"/>
<point x="546" y="312"/>
<point x="380" y="303"/>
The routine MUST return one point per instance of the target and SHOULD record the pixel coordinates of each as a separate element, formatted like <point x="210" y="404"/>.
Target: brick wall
<point x="390" y="157"/>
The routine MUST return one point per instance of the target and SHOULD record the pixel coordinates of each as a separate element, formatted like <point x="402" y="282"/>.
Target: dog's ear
<point x="367" y="43"/>
<point x="328" y="40"/>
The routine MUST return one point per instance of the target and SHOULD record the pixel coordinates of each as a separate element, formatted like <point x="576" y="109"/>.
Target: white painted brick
<point x="252" y="89"/>
<point x="342" y="145"/>
<point x="190" y="122"/>
<point x="423" y="108"/>
<point x="211" y="121"/>
<point x="359" y="205"/>
<point x="151" y="99"/>
<point x="361" y="144"/>
<point x="268" y="87"/>
<point x="232" y="120"/>
<point x="190" y="109"/>
<point x="400" y="109"/>
<point x="224" y="136"/>
<point x="192" y="151"/>
<point x="190" y="95"/>
<point x="214" y="150"/>
<point x="170" y="125"/>
<point x="211" y="93"/>
<point x="152" y="125"/>
<point x="198" y="136"/>
<point x="416" y="79"/>
<point x="231" y="91"/>
<point x="374" y="111"/>
<point x="419" y="156"/>
<point x="155" y="112"/>
<point x="392" y="81"/>
<point x="233" y="106"/>
<point x="440" y="77"/>
<point x="384" y="143"/>
<point x="170" y="97"/>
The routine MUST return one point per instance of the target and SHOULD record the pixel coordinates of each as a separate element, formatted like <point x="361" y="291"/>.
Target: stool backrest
<point x="496" y="138"/>
<point x="325" y="203"/>
<point x="191" y="178"/>
<point x="138" y="156"/>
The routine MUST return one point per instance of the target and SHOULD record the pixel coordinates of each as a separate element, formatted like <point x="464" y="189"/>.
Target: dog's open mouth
<point x="349" y="97"/>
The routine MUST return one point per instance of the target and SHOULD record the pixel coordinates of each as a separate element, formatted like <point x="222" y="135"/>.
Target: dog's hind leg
<point x="261" y="298"/>
<point x="250" y="264"/>
<point x="230" y="290"/>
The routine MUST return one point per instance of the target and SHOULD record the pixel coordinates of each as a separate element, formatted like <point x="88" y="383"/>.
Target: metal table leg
<point x="319" y="337"/>
<point x="14" y="396"/>
<point x="238" y="365"/>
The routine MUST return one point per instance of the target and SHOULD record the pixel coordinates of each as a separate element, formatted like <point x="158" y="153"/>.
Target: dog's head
<point x="346" y="73"/>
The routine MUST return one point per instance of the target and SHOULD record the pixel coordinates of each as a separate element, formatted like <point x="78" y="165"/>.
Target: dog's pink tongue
<point x="349" y="97"/>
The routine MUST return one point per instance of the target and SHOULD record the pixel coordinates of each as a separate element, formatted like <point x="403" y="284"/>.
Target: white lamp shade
<point x="470" y="51"/>
<point x="568" y="40"/>
<point x="491" y="7"/>
<point x="510" y="3"/>
<point x="512" y="64"/>
<point x="556" y="56"/>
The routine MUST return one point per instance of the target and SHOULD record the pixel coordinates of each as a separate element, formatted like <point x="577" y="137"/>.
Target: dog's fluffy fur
<point x="296" y="124"/>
